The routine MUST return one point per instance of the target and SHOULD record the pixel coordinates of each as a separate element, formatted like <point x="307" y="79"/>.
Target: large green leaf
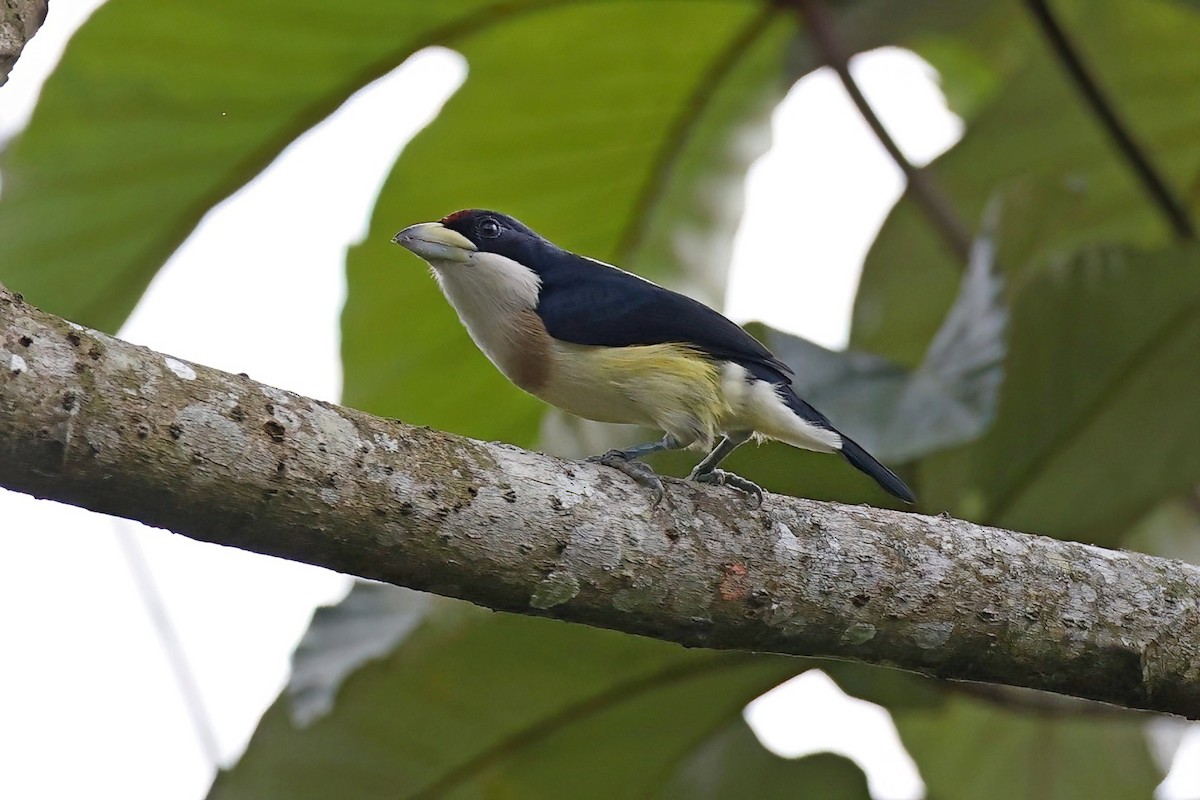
<point x="1097" y="419"/>
<point x="1038" y="150"/>
<point x="402" y="694"/>
<point x="613" y="145"/>
<point x="159" y="110"/>
<point x="972" y="750"/>
<point x="480" y="704"/>
<point x="631" y="149"/>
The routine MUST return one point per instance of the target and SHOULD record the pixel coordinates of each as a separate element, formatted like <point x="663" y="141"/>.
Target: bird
<point x="608" y="345"/>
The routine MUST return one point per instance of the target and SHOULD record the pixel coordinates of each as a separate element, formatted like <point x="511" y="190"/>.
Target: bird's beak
<point x="433" y="241"/>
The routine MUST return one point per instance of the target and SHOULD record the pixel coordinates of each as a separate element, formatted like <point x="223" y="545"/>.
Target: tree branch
<point x="19" y="21"/>
<point x="927" y="193"/>
<point x="1153" y="183"/>
<point x="96" y="422"/>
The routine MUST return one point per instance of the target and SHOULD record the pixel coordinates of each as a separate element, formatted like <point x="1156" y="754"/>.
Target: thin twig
<point x="927" y="193"/>
<point x="1154" y="184"/>
<point x="168" y="637"/>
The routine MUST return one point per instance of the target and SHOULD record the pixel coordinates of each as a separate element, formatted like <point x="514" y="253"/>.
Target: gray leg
<point x="706" y="471"/>
<point x="642" y="473"/>
<point x="729" y="442"/>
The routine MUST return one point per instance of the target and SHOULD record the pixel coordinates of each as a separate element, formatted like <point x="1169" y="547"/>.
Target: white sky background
<point x="88" y="704"/>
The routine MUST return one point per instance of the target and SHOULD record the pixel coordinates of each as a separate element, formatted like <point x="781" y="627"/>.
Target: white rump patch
<point x="775" y="420"/>
<point x="758" y="407"/>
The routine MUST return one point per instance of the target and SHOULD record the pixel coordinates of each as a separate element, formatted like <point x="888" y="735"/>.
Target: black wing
<point x="587" y="302"/>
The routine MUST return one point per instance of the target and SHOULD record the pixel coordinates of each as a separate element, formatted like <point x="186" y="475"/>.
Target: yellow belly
<point x="667" y="386"/>
<point x="676" y="389"/>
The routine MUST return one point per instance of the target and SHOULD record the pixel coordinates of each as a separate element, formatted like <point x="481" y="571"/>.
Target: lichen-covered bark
<point x="93" y="421"/>
<point x="19" y="21"/>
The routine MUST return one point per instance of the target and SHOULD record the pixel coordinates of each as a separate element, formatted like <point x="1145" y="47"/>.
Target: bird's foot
<point x="641" y="472"/>
<point x="719" y="477"/>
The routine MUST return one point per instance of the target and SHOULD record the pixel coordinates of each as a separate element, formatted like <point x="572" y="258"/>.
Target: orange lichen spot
<point x="733" y="584"/>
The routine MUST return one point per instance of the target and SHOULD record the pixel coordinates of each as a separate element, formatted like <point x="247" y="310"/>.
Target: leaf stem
<point x="1085" y="81"/>
<point x="925" y="190"/>
<point x="170" y="640"/>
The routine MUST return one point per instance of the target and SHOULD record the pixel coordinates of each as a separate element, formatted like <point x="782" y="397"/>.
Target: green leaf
<point x="159" y="111"/>
<point x="632" y="149"/>
<point x="156" y="113"/>
<point x="971" y="750"/>
<point x="370" y="622"/>
<point x="1097" y="419"/>
<point x="732" y="765"/>
<point x="978" y="56"/>
<point x="899" y="414"/>
<point x="1039" y="151"/>
<point x="466" y="703"/>
<point x="477" y="704"/>
<point x="627" y="149"/>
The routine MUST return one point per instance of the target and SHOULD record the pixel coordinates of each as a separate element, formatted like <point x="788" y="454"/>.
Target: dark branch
<point x="927" y="193"/>
<point x="1102" y="107"/>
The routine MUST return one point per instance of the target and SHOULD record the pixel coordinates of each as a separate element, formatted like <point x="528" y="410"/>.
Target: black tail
<point x="883" y="476"/>
<point x="860" y="458"/>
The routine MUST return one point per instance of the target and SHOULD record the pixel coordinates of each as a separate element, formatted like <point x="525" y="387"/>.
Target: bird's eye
<point x="489" y="228"/>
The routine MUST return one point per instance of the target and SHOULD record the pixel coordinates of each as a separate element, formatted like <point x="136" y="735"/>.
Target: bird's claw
<point x="719" y="477"/>
<point x="641" y="472"/>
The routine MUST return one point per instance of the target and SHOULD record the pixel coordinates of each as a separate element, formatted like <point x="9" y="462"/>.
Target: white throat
<point x="488" y="292"/>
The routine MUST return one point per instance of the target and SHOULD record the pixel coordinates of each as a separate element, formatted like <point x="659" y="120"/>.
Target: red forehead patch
<point x="450" y="219"/>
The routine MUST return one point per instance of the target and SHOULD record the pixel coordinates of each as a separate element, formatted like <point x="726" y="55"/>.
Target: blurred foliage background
<point x="1047" y="382"/>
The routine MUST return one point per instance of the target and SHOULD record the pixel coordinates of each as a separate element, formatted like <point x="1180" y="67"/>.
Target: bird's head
<point x="482" y="259"/>
<point x="461" y="237"/>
